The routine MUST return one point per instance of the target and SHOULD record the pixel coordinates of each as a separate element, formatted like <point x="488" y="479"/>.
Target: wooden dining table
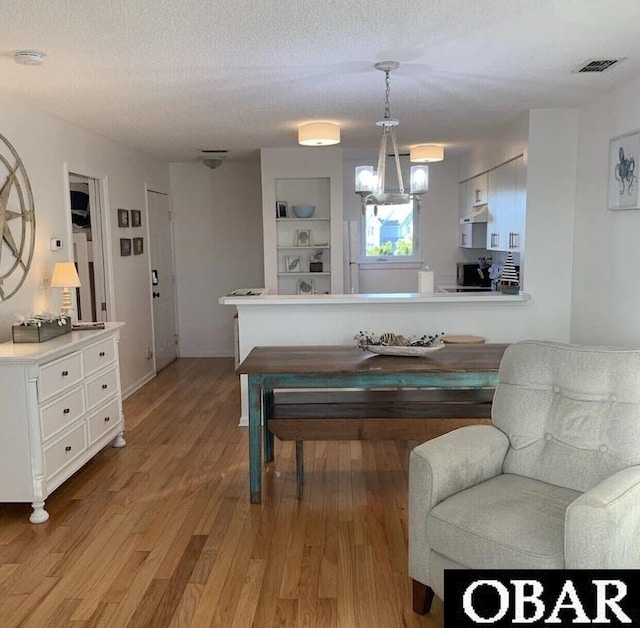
<point x="268" y="369"/>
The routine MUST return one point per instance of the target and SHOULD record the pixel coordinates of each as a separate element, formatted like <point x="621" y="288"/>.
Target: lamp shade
<point x="65" y="275"/>
<point x="318" y="134"/>
<point x="426" y="153"/>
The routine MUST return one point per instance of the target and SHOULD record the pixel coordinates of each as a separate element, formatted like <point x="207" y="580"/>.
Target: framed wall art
<point x="123" y="218"/>
<point x="293" y="263"/>
<point x="282" y="209"/>
<point x="125" y="247"/>
<point x="136" y="218"/>
<point x="624" y="153"/>
<point x="302" y="237"/>
<point x="306" y="286"/>
<point x="138" y="246"/>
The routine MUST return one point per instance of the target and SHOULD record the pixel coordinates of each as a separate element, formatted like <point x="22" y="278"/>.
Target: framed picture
<point x="123" y="218"/>
<point x="624" y="153"/>
<point x="306" y="286"/>
<point x="138" y="246"/>
<point x="136" y="218"/>
<point x="302" y="237"/>
<point x="125" y="246"/>
<point x="282" y="209"/>
<point x="293" y="263"/>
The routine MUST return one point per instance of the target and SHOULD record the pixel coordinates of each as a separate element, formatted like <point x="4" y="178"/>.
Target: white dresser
<point x="60" y="404"/>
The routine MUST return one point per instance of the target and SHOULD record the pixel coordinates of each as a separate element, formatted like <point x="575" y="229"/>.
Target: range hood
<point x="479" y="213"/>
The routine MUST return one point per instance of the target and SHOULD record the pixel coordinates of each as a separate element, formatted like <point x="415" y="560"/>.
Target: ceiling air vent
<point x="596" y="65"/>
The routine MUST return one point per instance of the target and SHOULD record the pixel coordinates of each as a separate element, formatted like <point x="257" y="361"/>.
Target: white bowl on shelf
<point x="303" y="211"/>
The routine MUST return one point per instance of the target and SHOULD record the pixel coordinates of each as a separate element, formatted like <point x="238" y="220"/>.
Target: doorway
<point x="162" y="279"/>
<point x="88" y="247"/>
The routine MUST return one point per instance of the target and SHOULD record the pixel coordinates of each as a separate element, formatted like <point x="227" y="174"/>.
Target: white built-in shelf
<point x="309" y="246"/>
<point x="303" y="219"/>
<point x="303" y="274"/>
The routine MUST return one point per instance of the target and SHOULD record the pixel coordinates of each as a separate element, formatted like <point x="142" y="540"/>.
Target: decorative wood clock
<point x="17" y="221"/>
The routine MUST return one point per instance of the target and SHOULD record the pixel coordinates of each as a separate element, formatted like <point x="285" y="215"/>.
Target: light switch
<point x="56" y="244"/>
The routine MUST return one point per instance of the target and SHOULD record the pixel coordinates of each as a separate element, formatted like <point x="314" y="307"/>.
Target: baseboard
<point x="137" y="385"/>
<point x="206" y="355"/>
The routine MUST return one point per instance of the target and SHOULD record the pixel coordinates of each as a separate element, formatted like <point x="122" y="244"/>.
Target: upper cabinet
<point x="506" y="207"/>
<point x="472" y="193"/>
<point x="303" y="251"/>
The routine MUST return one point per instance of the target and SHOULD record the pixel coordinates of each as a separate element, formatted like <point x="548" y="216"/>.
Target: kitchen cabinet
<point x="472" y="192"/>
<point x="506" y="204"/>
<point x="472" y="235"/>
<point x="303" y="245"/>
<point x="61" y="405"/>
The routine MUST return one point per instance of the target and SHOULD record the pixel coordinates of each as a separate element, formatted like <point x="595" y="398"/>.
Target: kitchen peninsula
<point x="331" y="319"/>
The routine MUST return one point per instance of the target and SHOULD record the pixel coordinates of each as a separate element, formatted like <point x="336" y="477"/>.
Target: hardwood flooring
<point x="161" y="533"/>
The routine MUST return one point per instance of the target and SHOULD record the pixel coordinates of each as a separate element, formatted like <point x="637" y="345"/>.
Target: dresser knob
<point x="104" y="386"/>
<point x="65" y="373"/>
<point x="67" y="448"/>
<point x="66" y="411"/>
<point x="101" y="354"/>
<point x="107" y="419"/>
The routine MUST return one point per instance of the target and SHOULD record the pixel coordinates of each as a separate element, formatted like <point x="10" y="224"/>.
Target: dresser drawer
<point x="59" y="374"/>
<point x="64" y="451"/>
<point x="56" y="416"/>
<point x="101" y="387"/>
<point x="99" y="355"/>
<point x="103" y="420"/>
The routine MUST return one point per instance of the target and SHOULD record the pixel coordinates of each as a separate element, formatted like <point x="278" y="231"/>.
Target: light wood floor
<point x="161" y="533"/>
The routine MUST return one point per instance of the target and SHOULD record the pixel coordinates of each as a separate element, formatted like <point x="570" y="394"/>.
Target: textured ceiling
<point x="171" y="77"/>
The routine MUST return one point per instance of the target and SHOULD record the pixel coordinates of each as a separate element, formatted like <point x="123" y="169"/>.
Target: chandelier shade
<point x="426" y="153"/>
<point x="318" y="134"/>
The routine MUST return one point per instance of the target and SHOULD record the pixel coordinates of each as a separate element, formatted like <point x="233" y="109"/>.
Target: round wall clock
<point x="17" y="221"/>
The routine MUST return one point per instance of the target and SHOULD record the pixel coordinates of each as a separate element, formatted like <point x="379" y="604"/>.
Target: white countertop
<point x="374" y="299"/>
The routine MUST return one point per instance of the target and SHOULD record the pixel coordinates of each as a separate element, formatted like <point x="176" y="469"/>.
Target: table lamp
<point x="65" y="276"/>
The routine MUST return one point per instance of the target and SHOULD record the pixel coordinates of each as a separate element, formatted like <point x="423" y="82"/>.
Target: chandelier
<point x="370" y="184"/>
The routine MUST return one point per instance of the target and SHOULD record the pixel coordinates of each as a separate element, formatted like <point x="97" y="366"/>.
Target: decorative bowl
<point x="303" y="211"/>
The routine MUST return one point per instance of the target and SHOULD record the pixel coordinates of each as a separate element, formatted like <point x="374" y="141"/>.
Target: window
<point x="391" y="233"/>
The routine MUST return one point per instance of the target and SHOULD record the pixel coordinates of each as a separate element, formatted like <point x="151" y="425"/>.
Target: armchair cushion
<point x="507" y="522"/>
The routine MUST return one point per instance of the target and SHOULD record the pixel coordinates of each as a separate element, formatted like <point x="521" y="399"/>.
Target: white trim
<point x="137" y="385"/>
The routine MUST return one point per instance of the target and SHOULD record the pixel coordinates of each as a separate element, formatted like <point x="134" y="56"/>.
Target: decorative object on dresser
<point x="65" y="276"/>
<point x="136" y="218"/>
<point x="123" y="218"/>
<point x="624" y="161"/>
<point x="62" y="404"/>
<point x="17" y="221"/>
<point x="40" y="328"/>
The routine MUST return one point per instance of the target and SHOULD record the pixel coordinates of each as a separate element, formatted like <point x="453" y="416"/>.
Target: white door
<point x="162" y="279"/>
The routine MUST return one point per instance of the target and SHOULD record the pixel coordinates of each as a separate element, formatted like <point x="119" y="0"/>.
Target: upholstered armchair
<point x="554" y="483"/>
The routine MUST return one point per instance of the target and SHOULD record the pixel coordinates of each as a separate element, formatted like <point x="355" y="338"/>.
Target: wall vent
<point x="597" y="65"/>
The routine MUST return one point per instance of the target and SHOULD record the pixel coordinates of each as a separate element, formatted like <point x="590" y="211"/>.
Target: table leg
<point x="255" y="427"/>
<point x="299" y="468"/>
<point x="267" y="405"/>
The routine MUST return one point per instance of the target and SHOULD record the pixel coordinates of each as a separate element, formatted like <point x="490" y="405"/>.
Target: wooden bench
<point x="400" y="414"/>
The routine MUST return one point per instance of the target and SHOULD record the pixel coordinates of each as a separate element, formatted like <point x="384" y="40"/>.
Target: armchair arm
<point x="602" y="526"/>
<point x="455" y="461"/>
<point x="444" y="466"/>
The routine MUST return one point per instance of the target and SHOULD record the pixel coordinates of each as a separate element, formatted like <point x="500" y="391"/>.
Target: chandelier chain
<point x="387" y="107"/>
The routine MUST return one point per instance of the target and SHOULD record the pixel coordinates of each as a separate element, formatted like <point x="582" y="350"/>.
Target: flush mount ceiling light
<point x="426" y="153"/>
<point x="29" y="57"/>
<point x="370" y="184"/>
<point x="318" y="134"/>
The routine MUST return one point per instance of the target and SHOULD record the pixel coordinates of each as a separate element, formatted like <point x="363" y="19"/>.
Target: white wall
<point x="438" y="226"/>
<point x="47" y="146"/>
<point x="606" y="291"/>
<point x="218" y="247"/>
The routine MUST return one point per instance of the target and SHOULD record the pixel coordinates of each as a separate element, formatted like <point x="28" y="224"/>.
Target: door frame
<point x="102" y="195"/>
<point x="147" y="189"/>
